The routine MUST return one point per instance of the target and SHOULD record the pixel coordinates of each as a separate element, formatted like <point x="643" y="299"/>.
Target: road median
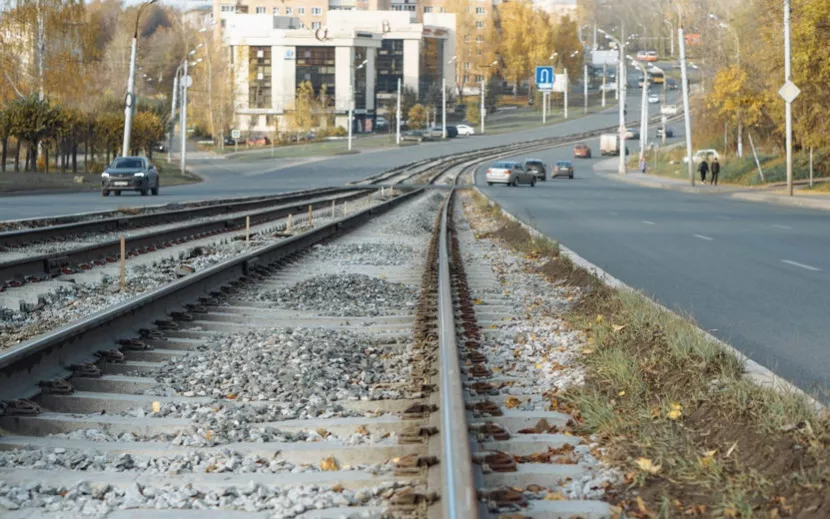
<point x="696" y="428"/>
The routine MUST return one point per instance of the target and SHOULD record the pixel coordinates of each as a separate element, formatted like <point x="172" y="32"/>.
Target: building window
<point x="480" y="10"/>
<point x="301" y="10"/>
<point x="223" y="23"/>
<point x="467" y="65"/>
<point x="260" y="10"/>
<point x="398" y="7"/>
<point x="289" y="10"/>
<point x="466" y="38"/>
<point x="479" y="40"/>
<point x="259" y="77"/>
<point x="302" y="25"/>
<point x="227" y="8"/>
<point x="466" y="78"/>
<point x="276" y="11"/>
<point x="479" y="25"/>
<point x="316" y="64"/>
<point x="442" y="10"/>
<point x="427" y="9"/>
<point x="479" y="78"/>
<point x="359" y="91"/>
<point x="478" y="52"/>
<point x="316" y="11"/>
<point x="389" y="65"/>
<point x="316" y="25"/>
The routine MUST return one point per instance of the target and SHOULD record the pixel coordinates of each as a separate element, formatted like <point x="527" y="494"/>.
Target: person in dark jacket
<point x="704" y="169"/>
<point x="715" y="170"/>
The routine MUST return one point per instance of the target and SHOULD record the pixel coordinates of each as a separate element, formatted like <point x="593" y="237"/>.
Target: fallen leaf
<point x="156" y="407"/>
<point x="209" y="435"/>
<point x="646" y="465"/>
<point x="231" y="396"/>
<point x="512" y="402"/>
<point x="337" y="488"/>
<point x="730" y="512"/>
<point x="554" y="496"/>
<point x="329" y="464"/>
<point x="478" y="301"/>
<point x="621" y="393"/>
<point x="324" y="433"/>
<point x="619" y="327"/>
<point x="587" y="351"/>
<point x="642" y="508"/>
<point x="362" y="430"/>
<point x="600" y="318"/>
<point x="676" y="411"/>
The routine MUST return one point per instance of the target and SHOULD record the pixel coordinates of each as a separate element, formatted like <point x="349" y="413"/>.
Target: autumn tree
<point x="417" y="117"/>
<point x="301" y="119"/>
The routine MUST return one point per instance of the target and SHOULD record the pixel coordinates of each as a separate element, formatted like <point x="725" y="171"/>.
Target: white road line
<point x="783" y="227"/>
<point x="649" y="222"/>
<point x="801" y="265"/>
<point x="702" y="237"/>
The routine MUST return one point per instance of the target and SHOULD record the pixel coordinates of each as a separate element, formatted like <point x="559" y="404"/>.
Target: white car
<point x="466" y="130"/>
<point x="608" y="87"/>
<point x="653" y="99"/>
<point x="669" y="109"/>
<point x="703" y="154"/>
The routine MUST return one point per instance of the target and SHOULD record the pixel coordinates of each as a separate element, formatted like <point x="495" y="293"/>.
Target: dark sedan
<point x="130" y="174"/>
<point x="563" y="168"/>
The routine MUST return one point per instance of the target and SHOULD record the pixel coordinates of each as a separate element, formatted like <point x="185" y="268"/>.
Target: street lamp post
<point x="129" y="105"/>
<point x="728" y="27"/>
<point x="351" y="103"/>
<point x="444" y="108"/>
<point x="621" y="88"/>
<point x="643" y="108"/>
<point x="398" y="117"/>
<point x="185" y="85"/>
<point x="788" y="102"/>
<point x="688" y="121"/>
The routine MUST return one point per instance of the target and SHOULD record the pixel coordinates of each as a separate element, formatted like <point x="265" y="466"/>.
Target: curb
<point x="753" y="371"/>
<point x="807" y="203"/>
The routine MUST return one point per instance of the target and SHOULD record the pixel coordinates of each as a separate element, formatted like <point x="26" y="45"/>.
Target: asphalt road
<point x="754" y="275"/>
<point x="229" y="178"/>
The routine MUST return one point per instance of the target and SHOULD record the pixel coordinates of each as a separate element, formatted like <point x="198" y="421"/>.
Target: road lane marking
<point x="649" y="222"/>
<point x="783" y="227"/>
<point x="801" y="265"/>
<point x="702" y="237"/>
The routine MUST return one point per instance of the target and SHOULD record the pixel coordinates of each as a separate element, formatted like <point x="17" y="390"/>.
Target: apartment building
<point x="356" y="61"/>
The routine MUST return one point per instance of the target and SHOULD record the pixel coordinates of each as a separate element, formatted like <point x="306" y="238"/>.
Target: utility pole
<point x="483" y="108"/>
<point x="173" y="117"/>
<point x="129" y="105"/>
<point x="566" y="93"/>
<point x="585" y="88"/>
<point x="351" y="114"/>
<point x="398" y="118"/>
<point x="684" y="77"/>
<point x="183" y="153"/>
<point x="789" y="100"/>
<point x="444" y="108"/>
<point x="604" y="71"/>
<point x="621" y="90"/>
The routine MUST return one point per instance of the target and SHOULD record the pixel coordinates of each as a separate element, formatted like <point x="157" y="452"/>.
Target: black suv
<point x="537" y="167"/>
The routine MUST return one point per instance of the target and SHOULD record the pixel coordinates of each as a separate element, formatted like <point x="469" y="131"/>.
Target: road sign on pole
<point x="235" y="134"/>
<point x="544" y="78"/>
<point x="789" y="91"/>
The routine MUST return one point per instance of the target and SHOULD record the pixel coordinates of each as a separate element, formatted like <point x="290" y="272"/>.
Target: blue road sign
<point x="544" y="78"/>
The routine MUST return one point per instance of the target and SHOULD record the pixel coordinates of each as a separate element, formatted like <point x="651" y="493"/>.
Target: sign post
<point x="544" y="82"/>
<point x="235" y="136"/>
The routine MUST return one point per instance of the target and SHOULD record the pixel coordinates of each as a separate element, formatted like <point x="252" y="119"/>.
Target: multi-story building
<point x="357" y="58"/>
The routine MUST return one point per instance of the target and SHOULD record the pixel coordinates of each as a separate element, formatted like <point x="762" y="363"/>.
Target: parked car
<point x="669" y="109"/>
<point x="653" y="99"/>
<point x="563" y="168"/>
<point x="669" y="132"/>
<point x="510" y="173"/>
<point x="130" y="174"/>
<point x="437" y="132"/>
<point x="452" y="132"/>
<point x="699" y="155"/>
<point x="582" y="150"/>
<point x="537" y="167"/>
<point x="260" y="140"/>
<point x="230" y="141"/>
<point x="160" y="147"/>
<point x="465" y="130"/>
<point x="632" y="134"/>
<point x="381" y="123"/>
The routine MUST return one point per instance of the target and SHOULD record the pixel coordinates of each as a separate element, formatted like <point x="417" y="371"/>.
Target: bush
<point x="95" y="168"/>
<point x="339" y="132"/>
<point x="417" y="117"/>
<point x="473" y="112"/>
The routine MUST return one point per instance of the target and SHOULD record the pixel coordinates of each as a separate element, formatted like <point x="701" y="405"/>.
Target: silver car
<point x="510" y="173"/>
<point x="130" y="174"/>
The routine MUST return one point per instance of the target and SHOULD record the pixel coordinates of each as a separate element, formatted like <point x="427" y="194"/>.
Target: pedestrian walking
<point x="704" y="169"/>
<point x="643" y="164"/>
<point x="715" y="170"/>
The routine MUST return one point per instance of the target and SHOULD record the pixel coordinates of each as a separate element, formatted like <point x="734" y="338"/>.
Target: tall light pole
<point x="604" y="73"/>
<point x="398" y="116"/>
<point x="483" y="105"/>
<point x="129" y="104"/>
<point x="731" y="29"/>
<point x="351" y="103"/>
<point x="643" y="108"/>
<point x="621" y="88"/>
<point x="790" y="96"/>
<point x="185" y="84"/>
<point x="671" y="35"/>
<point x="688" y="121"/>
<point x="444" y="108"/>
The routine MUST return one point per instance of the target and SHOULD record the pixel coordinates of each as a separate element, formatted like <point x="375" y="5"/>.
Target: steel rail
<point x="132" y="222"/>
<point x="50" y="264"/>
<point x="459" y="493"/>
<point x="50" y="356"/>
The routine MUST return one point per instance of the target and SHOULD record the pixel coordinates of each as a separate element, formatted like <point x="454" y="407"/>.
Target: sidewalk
<point x="769" y="195"/>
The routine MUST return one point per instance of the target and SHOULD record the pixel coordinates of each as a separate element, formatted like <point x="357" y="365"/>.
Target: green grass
<point x="315" y="149"/>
